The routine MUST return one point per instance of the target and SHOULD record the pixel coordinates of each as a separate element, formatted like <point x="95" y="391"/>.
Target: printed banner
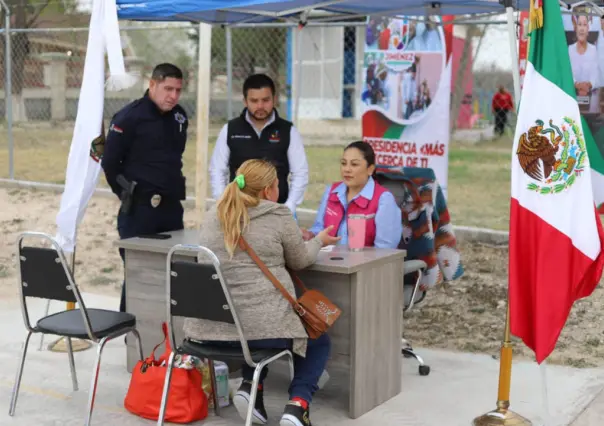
<point x="407" y="92"/>
<point x="585" y="39"/>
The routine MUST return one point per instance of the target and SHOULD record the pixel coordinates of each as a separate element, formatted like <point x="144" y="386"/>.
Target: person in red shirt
<point x="502" y="104"/>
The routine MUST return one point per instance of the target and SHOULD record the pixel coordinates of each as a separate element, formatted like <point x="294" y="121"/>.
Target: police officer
<point x="142" y="159"/>
<point x="259" y="133"/>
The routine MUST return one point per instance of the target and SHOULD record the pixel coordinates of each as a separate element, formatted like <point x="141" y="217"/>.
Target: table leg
<point x="146" y="299"/>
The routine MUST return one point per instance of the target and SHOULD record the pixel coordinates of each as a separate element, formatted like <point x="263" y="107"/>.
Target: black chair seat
<point x="71" y="324"/>
<point x="223" y="352"/>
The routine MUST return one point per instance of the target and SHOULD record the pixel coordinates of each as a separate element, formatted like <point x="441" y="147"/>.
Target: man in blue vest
<point x="259" y="133"/>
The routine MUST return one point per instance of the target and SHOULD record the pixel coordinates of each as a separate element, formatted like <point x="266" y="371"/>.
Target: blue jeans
<point x="307" y="370"/>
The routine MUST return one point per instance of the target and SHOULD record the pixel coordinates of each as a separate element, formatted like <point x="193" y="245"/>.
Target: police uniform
<point x="278" y="142"/>
<point x="146" y="145"/>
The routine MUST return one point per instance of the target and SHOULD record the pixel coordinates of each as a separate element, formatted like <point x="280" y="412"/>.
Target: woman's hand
<point x="306" y="234"/>
<point x="327" y="239"/>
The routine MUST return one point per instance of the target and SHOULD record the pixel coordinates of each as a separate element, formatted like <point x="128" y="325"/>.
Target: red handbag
<point x="187" y="401"/>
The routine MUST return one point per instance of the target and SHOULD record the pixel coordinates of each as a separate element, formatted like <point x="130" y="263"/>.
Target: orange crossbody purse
<point x="315" y="310"/>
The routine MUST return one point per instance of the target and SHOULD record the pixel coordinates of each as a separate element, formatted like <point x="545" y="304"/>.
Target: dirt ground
<point x="41" y="153"/>
<point x="467" y="315"/>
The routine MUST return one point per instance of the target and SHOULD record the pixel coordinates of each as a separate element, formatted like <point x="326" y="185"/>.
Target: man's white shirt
<point x="296" y="156"/>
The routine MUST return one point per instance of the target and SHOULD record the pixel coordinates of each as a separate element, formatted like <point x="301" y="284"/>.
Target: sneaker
<point x="295" y="415"/>
<point x="241" y="401"/>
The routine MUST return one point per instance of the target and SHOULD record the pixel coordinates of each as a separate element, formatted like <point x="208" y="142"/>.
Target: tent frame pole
<point x="204" y="76"/>
<point x="509" y="10"/>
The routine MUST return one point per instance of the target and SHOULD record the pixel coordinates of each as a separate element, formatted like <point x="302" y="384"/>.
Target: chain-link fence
<point x="327" y="90"/>
<point x="318" y="73"/>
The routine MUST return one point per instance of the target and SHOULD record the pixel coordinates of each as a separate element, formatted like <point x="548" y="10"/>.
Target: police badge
<point x="180" y="119"/>
<point x="155" y="200"/>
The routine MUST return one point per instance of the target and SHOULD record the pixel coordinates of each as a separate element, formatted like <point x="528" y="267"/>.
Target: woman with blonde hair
<point x="248" y="208"/>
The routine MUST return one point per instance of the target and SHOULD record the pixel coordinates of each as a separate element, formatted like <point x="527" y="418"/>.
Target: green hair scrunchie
<point x="240" y="181"/>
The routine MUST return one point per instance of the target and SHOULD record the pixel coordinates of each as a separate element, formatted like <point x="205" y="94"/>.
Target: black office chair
<point x="412" y="296"/>
<point x="399" y="186"/>
<point x="198" y="290"/>
<point x="44" y="273"/>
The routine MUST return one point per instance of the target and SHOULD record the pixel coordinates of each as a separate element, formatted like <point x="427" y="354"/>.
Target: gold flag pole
<point x="501" y="416"/>
<point x="77" y="345"/>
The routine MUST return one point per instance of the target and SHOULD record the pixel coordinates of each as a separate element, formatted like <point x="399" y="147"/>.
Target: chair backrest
<point x="427" y="229"/>
<point x="44" y="273"/>
<point x="406" y="195"/>
<point x="397" y="187"/>
<point x="196" y="292"/>
<point x="199" y="290"/>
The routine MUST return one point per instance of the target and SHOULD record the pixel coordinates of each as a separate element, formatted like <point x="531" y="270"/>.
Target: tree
<point x="160" y="42"/>
<point x="252" y="48"/>
<point x="26" y="14"/>
<point x="472" y="31"/>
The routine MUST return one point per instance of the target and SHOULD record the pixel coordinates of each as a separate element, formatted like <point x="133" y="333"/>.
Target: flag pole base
<point x="501" y="416"/>
<point x="77" y="345"/>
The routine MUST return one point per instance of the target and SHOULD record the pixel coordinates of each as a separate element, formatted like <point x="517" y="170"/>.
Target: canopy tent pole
<point x="229" y="71"/>
<point x="513" y="52"/>
<point x="298" y="76"/>
<point x="8" y="89"/>
<point x="204" y="66"/>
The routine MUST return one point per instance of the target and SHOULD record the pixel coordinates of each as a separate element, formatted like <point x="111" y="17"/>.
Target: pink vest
<point x="334" y="213"/>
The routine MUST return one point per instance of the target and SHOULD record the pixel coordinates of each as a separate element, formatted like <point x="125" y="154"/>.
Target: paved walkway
<point x="459" y="388"/>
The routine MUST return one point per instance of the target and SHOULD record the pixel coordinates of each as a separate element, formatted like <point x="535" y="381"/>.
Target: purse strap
<point x="297" y="307"/>
<point x="297" y="280"/>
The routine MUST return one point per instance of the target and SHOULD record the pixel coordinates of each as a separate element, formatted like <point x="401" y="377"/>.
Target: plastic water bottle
<point x="222" y="383"/>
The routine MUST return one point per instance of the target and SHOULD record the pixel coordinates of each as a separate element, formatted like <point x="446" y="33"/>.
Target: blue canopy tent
<point x="237" y="11"/>
<point x="233" y="12"/>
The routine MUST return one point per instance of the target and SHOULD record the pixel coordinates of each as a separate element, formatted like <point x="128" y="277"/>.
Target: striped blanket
<point x="427" y="229"/>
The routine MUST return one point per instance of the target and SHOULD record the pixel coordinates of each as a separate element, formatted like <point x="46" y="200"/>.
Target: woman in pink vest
<point x="359" y="193"/>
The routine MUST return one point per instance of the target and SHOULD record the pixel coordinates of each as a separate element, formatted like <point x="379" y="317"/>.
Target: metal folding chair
<point x="199" y="290"/>
<point x="44" y="273"/>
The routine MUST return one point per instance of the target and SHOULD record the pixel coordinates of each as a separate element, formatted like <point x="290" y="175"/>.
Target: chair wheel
<point x="424" y="370"/>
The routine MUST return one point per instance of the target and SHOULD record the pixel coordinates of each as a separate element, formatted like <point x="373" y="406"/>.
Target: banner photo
<point x="585" y="40"/>
<point x="406" y="93"/>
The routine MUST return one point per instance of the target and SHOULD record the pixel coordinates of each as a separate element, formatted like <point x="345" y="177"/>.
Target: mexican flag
<point x="597" y="167"/>
<point x="556" y="235"/>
